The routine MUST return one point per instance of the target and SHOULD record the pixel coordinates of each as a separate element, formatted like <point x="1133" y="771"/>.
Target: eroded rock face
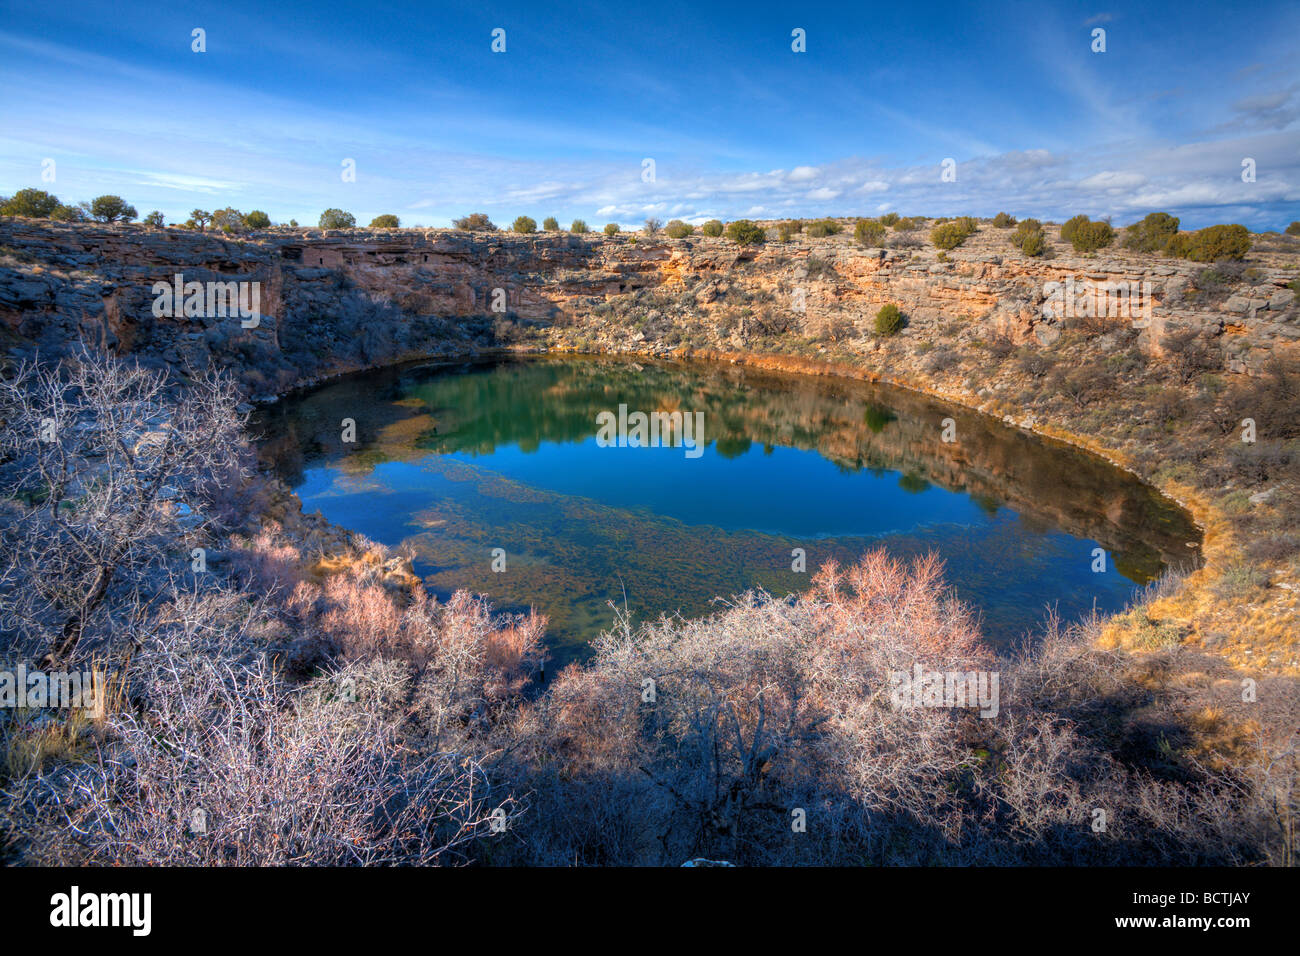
<point x="334" y="301"/>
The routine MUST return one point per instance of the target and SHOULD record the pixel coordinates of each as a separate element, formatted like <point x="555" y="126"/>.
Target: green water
<point x="456" y="461"/>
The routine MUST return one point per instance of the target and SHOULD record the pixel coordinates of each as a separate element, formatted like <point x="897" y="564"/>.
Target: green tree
<point x="257" y="219"/>
<point x="611" y="228"/>
<point x="1152" y="234"/>
<point x="337" y="219"/>
<point x="1029" y="237"/>
<point x="199" y="219"/>
<point x="745" y="232"/>
<point x="1211" y="243"/>
<point x="112" y="209"/>
<point x="889" y="320"/>
<point x="579" y="227"/>
<point x="524" y="225"/>
<point x="1293" y="229"/>
<point x="229" y="220"/>
<point x="712" y="228"/>
<point x="155" y="219"/>
<point x="75" y="213"/>
<point x="386" y="221"/>
<point x="475" y="222"/>
<point x="551" y="224"/>
<point x="678" y="229"/>
<point x="31" y="203"/>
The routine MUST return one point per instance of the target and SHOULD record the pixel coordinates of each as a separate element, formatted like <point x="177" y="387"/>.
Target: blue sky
<point x="736" y="122"/>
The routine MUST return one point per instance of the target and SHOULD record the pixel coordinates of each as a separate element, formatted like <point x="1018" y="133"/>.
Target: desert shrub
<point x="257" y="219"/>
<point x="475" y="222"/>
<point x="386" y="221"/>
<point x="822" y="228"/>
<point x="949" y="235"/>
<point x="1035" y="363"/>
<point x="1238" y="582"/>
<point x="653" y="226"/>
<point x="524" y="225"/>
<point x="1293" y="229"/>
<point x="1087" y="235"/>
<point x="611" y="229"/>
<point x="889" y="320"/>
<point x="745" y="232"/>
<point x="551" y="224"/>
<point x="1189" y="355"/>
<point x="1000" y="347"/>
<point x="1152" y="233"/>
<point x="889" y="219"/>
<point x="941" y="359"/>
<point x="127" y="477"/>
<point x="1030" y="238"/>
<point x="1004" y="221"/>
<point x="868" y="232"/>
<point x="1210" y="244"/>
<point x="676" y="229"/>
<point x="908" y="224"/>
<point x="788" y="229"/>
<point x="712" y="228"/>
<point x="77" y="213"/>
<point x="579" y="227"/>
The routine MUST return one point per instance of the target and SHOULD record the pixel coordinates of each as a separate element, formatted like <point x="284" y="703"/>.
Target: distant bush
<point x="652" y="226"/>
<point x="1089" y="236"/>
<point x="260" y="220"/>
<point x="77" y="213"/>
<point x="524" y="225"/>
<point x="579" y="227"/>
<point x="949" y="235"/>
<point x="551" y="224"/>
<point x="475" y="222"/>
<point x="889" y="219"/>
<point x="611" y="229"/>
<point x="1029" y="237"/>
<point x="889" y="320"/>
<point x="112" y="209"/>
<point x="1004" y="221"/>
<point x="1070" y="225"/>
<point x="823" y="227"/>
<point x="909" y="224"/>
<point x="868" y="232"/>
<point x="787" y="229"/>
<point x="678" y="229"/>
<point x="154" y="218"/>
<point x="745" y="232"/>
<point x="1210" y="244"/>
<point x="31" y="203"/>
<point x="1152" y="234"/>
<point x="1293" y="229"/>
<point x="333" y="219"/>
<point x="712" y="228"/>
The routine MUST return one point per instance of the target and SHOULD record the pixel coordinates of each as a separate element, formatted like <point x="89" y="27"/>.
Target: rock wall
<point x="334" y="301"/>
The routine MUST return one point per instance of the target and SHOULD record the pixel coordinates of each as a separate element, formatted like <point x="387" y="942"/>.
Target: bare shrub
<point x="115" y="469"/>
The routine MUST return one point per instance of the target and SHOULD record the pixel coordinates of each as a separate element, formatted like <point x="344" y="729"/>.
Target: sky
<point x="112" y="98"/>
